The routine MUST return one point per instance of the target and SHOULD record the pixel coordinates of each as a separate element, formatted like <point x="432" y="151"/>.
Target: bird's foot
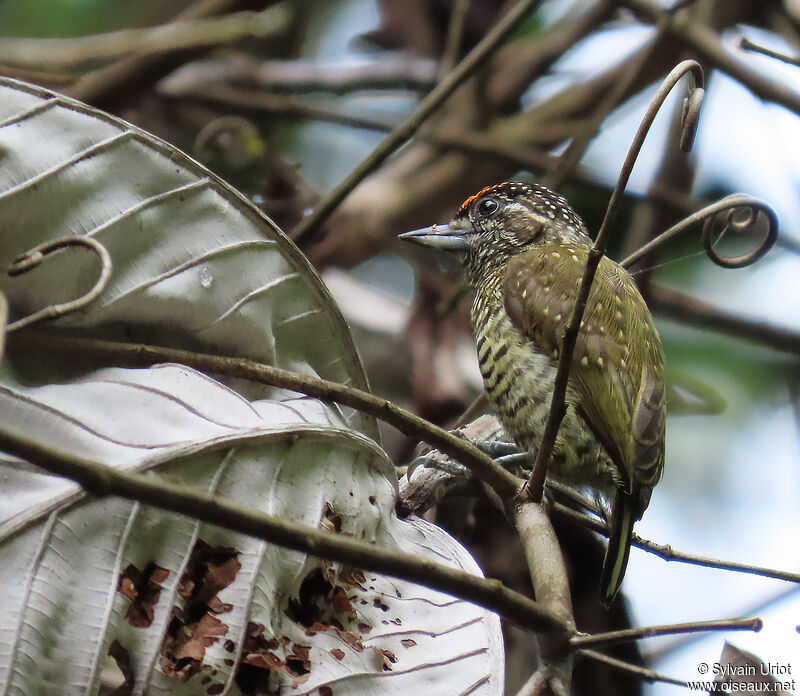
<point x="506" y="454"/>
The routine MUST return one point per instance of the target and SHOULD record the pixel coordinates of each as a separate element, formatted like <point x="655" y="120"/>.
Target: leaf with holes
<point x="185" y="607"/>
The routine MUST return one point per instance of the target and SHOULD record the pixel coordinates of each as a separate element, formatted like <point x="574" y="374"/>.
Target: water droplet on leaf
<point x="206" y="277"/>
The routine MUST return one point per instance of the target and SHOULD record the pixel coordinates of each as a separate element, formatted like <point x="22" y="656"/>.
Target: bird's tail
<point x="619" y="546"/>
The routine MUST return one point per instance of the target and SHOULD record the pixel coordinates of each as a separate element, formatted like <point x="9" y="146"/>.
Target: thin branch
<point x="669" y="647"/>
<point x="706" y="44"/>
<point x="299" y="76"/>
<point x="483" y="467"/>
<point x="102" y="480"/>
<point x="474" y="59"/>
<point x="239" y="99"/>
<point x="575" y="150"/>
<point x="630" y="634"/>
<point x="688" y="310"/>
<point x="535" y="485"/>
<point x="746" y="45"/>
<point x="666" y="551"/>
<point x="176" y="36"/>
<point x="648" y="675"/>
<point x="40" y="77"/>
<point x="455" y="33"/>
<point x="100" y="85"/>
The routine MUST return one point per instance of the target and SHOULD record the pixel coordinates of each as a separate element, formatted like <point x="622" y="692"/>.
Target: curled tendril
<point x="724" y="212"/>
<point x="33" y="257"/>
<point x="689" y="122"/>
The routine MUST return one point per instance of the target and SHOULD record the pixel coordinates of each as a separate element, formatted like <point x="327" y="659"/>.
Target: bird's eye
<point x="487" y="207"/>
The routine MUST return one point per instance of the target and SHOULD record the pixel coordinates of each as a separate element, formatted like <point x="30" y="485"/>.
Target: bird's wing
<point x="616" y="373"/>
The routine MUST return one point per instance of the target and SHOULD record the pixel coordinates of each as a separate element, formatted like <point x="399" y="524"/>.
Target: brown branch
<point x="177" y="36"/>
<point x="707" y="46"/>
<point x="616" y="95"/>
<point x="482" y="466"/>
<point x="648" y="675"/>
<point x="238" y="100"/>
<point x="688" y="310"/>
<point x="40" y="77"/>
<point x="666" y="551"/>
<point x="298" y="76"/>
<point x="101" y="480"/>
<point x="477" y="143"/>
<point x="474" y="59"/>
<point x="455" y="32"/>
<point x="746" y="45"/>
<point x="630" y="634"/>
<point x="103" y="85"/>
<point x="550" y="586"/>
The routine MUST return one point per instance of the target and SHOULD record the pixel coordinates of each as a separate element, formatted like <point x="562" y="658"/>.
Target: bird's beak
<point x="438" y="237"/>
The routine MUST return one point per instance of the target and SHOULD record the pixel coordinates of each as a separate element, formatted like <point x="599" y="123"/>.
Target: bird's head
<point x="501" y="221"/>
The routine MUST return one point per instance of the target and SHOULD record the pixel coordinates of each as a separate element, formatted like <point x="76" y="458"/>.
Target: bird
<point x="524" y="251"/>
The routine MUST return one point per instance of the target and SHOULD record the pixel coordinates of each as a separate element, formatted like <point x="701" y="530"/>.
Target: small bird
<point x="524" y="251"/>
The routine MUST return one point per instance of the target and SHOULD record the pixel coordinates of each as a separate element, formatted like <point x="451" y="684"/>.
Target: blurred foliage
<point x="61" y="18"/>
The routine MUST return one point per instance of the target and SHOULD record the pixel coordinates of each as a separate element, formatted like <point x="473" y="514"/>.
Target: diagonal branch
<point x="707" y="46"/>
<point x="630" y="634"/>
<point x="482" y="466"/>
<point x="649" y="675"/>
<point x="667" y="553"/>
<point x="474" y="59"/>
<point x="102" y="480"/>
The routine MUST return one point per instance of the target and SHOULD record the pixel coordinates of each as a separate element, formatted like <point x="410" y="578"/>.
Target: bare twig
<point x="71" y="52"/>
<point x="746" y="45"/>
<point x="668" y="647"/>
<point x="706" y="44"/>
<point x="619" y="91"/>
<point x="474" y="59"/>
<point x="666" y="551"/>
<point x="99" y="85"/>
<point x="299" y="77"/>
<point x="630" y="634"/>
<point x="535" y="485"/>
<point x="40" y="77"/>
<point x="33" y="257"/>
<point x="648" y="675"/>
<point x="102" y="480"/>
<point x="455" y="32"/>
<point x="688" y="310"/>
<point x="482" y="466"/>
<point x="239" y="99"/>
